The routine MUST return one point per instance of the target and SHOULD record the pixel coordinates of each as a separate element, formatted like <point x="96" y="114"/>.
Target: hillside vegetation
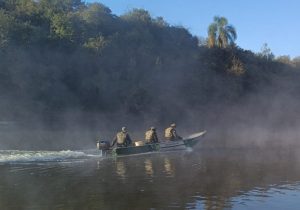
<point x="61" y="56"/>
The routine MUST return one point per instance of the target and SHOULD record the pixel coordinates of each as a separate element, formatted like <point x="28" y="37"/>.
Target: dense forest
<point x="66" y="60"/>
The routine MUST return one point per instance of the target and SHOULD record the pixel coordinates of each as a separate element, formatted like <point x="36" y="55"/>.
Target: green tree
<point x="96" y="44"/>
<point x="138" y="15"/>
<point x="98" y="20"/>
<point x="61" y="26"/>
<point x="220" y="33"/>
<point x="60" y="6"/>
<point x="237" y="67"/>
<point x="286" y="59"/>
<point x="6" y="28"/>
<point x="296" y="61"/>
<point x="266" y="52"/>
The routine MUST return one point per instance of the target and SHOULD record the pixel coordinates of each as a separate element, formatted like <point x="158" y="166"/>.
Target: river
<point x="201" y="179"/>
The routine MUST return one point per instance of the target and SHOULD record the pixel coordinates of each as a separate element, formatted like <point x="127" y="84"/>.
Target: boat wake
<point x="18" y="156"/>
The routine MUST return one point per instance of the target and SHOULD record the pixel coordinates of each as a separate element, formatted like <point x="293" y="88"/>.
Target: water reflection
<point x="205" y="181"/>
<point x="169" y="169"/>
<point x="120" y="169"/>
<point x="216" y="203"/>
<point x="149" y="167"/>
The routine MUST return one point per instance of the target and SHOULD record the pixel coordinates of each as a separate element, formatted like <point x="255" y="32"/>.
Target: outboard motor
<point x="103" y="145"/>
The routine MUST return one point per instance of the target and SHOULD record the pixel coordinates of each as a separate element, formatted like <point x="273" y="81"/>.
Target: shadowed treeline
<point x="67" y="64"/>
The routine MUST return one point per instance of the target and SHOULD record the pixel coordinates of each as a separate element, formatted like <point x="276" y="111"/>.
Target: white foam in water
<point x="189" y="149"/>
<point x="14" y="156"/>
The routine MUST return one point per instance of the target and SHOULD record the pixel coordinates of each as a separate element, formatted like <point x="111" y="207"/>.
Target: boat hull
<point x="187" y="142"/>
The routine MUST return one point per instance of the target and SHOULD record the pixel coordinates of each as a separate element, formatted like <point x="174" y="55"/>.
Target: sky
<point x="275" y="22"/>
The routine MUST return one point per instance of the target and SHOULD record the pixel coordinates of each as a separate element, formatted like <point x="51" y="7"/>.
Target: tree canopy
<point x="220" y="33"/>
<point x="65" y="55"/>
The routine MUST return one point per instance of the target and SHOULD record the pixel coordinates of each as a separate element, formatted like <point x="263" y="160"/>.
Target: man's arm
<point x="155" y="137"/>
<point x="114" y="141"/>
<point x="128" y="139"/>
<point x="176" y="135"/>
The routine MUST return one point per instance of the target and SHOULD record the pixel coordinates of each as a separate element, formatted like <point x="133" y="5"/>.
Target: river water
<point x="200" y="179"/>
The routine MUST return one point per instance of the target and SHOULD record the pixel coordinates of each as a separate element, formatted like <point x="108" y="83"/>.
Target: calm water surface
<point x="201" y="179"/>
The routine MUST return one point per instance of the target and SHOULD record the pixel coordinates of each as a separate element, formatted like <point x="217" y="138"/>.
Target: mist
<point x="63" y="85"/>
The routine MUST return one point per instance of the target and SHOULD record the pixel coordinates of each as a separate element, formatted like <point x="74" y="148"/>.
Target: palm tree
<point x="220" y="33"/>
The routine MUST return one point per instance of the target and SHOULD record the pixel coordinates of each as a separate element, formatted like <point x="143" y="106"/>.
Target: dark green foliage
<point x="59" y="55"/>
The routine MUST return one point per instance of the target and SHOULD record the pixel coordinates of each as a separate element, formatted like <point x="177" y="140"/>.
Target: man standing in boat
<point x="151" y="136"/>
<point x="122" y="138"/>
<point x="171" y="134"/>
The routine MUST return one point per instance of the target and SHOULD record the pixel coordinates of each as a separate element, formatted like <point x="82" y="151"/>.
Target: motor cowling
<point x="103" y="145"/>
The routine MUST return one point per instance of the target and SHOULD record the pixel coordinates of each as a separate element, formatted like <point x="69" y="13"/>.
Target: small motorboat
<point x="139" y="147"/>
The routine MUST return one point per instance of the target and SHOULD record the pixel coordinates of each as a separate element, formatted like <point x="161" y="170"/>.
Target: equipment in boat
<point x="103" y="145"/>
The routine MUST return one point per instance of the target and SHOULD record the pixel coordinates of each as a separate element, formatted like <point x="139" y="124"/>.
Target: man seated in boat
<point x="151" y="136"/>
<point x="122" y="138"/>
<point x="171" y="134"/>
